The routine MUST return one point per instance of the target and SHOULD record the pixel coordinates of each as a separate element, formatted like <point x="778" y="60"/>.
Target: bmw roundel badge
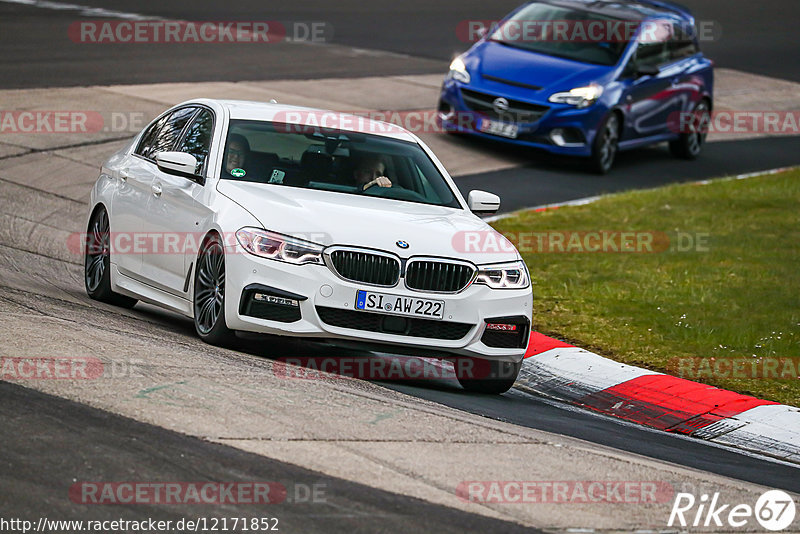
<point x="402" y="244"/>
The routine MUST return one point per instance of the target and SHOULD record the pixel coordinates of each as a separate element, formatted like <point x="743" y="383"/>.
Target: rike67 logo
<point x="774" y="510"/>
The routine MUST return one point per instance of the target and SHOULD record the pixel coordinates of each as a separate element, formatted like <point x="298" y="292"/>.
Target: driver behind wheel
<point x="369" y="170"/>
<point x="237" y="156"/>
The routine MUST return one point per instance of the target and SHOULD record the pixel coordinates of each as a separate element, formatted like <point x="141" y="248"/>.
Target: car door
<point x="650" y="98"/>
<point x="687" y="84"/>
<point x="134" y="182"/>
<point x="174" y="213"/>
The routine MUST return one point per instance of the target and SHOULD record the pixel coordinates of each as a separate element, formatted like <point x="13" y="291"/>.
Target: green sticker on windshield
<point x="238" y="173"/>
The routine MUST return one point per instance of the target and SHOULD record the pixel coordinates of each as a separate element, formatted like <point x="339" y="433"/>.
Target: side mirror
<point x="178" y="163"/>
<point x="483" y="203"/>
<point x="647" y="70"/>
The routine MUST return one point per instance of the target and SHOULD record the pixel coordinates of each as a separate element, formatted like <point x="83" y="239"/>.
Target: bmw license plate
<point x="399" y="305"/>
<point x="504" y="129"/>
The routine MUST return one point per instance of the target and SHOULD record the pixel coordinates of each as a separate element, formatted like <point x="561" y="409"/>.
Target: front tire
<point x="604" y="148"/>
<point x="209" y="294"/>
<point x="477" y="375"/>
<point x="689" y="144"/>
<point x="97" y="262"/>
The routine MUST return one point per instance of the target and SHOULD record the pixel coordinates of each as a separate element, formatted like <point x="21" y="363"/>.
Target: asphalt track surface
<point x="527" y="410"/>
<point x="97" y="446"/>
<point x="548" y="179"/>
<point x="757" y="37"/>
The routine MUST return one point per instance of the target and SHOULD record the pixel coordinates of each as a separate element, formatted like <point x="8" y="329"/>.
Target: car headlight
<point x="504" y="275"/>
<point x="279" y="247"/>
<point x="580" y="96"/>
<point x="458" y="70"/>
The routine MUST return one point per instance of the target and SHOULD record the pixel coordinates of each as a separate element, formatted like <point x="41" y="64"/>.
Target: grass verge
<point x="716" y="301"/>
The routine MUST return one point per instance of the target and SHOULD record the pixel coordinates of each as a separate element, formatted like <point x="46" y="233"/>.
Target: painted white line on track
<point x="87" y="11"/>
<point x="99" y="12"/>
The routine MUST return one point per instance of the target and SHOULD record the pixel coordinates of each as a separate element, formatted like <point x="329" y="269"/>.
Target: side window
<point x="650" y="54"/>
<point x="149" y="137"/>
<point x="197" y="140"/>
<point x="681" y="44"/>
<point x="651" y="48"/>
<point x="171" y="131"/>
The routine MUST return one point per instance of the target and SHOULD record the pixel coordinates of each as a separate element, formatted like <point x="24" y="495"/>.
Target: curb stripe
<point x="557" y="369"/>
<point x="670" y="403"/>
<point x="540" y="343"/>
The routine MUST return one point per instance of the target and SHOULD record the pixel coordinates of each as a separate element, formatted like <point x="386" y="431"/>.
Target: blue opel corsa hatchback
<point x="584" y="78"/>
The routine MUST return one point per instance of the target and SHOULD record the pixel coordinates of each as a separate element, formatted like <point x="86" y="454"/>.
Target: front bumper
<point x="325" y="295"/>
<point x="562" y="129"/>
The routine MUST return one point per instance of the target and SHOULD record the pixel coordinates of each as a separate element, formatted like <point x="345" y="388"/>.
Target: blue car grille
<point x="517" y="111"/>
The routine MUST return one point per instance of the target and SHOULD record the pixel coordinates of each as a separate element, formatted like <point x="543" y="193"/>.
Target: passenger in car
<point x="237" y="155"/>
<point x="369" y="170"/>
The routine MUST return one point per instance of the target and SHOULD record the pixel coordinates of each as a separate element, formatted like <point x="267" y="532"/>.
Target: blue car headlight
<point x="458" y="71"/>
<point x="580" y="97"/>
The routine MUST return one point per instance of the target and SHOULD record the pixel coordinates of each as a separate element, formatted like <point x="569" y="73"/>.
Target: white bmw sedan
<point x="297" y="222"/>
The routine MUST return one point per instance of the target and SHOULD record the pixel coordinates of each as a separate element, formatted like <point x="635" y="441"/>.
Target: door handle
<point x="156" y="190"/>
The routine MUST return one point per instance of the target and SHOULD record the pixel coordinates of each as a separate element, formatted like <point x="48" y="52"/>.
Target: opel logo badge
<point x="402" y="244"/>
<point x="500" y="105"/>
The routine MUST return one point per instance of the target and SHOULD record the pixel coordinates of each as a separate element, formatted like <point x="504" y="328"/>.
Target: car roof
<point x="283" y="113"/>
<point x="627" y="9"/>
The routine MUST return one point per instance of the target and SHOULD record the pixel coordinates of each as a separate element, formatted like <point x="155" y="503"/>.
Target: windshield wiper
<point x="506" y="43"/>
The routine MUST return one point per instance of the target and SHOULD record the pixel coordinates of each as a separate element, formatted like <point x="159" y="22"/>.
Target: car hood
<point x="525" y="66"/>
<point x="342" y="219"/>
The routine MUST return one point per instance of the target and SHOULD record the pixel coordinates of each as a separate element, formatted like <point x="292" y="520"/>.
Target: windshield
<point x="330" y="160"/>
<point x="568" y="33"/>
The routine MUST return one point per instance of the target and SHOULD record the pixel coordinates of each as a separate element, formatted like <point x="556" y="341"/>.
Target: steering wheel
<point x="397" y="193"/>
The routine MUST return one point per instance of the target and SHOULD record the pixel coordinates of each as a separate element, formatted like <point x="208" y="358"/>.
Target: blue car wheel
<point x="604" y="148"/>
